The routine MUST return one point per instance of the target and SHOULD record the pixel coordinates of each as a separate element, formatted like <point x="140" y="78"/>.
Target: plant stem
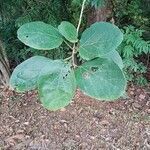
<point x="68" y="45"/>
<point x="78" y="27"/>
<point x="73" y="56"/>
<point x="68" y="58"/>
<point x="148" y="60"/>
<point x="81" y="14"/>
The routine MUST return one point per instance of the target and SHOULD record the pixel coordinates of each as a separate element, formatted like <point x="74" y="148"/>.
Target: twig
<point x="68" y="58"/>
<point x="68" y="45"/>
<point x="73" y="56"/>
<point x="148" y="59"/>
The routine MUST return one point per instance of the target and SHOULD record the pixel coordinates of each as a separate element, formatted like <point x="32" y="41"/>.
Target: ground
<point x="86" y="124"/>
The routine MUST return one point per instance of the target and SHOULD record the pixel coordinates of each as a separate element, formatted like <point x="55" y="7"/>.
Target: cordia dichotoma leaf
<point x="99" y="39"/>
<point x="101" y="78"/>
<point x="25" y="75"/>
<point x="69" y="31"/>
<point x="114" y="56"/>
<point x="56" y="89"/>
<point x="39" y="35"/>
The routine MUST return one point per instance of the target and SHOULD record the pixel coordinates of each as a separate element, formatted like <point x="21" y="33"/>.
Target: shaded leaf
<point x="25" y="75"/>
<point x="57" y="88"/>
<point x="101" y="79"/>
<point x="114" y="56"/>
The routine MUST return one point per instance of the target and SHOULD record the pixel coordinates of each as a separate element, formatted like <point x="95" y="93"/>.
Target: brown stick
<point x="4" y="66"/>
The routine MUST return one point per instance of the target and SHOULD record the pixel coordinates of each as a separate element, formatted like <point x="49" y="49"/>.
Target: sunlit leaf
<point x="39" y="35"/>
<point x="69" y="31"/>
<point x="100" y="39"/>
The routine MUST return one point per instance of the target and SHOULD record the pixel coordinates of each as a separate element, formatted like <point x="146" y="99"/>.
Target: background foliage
<point x="14" y="13"/>
<point x="132" y="16"/>
<point x="131" y="48"/>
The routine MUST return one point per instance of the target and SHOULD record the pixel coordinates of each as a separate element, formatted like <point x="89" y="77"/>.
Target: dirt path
<point x="84" y="125"/>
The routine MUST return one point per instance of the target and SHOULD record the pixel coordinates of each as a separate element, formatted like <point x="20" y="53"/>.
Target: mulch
<point x="86" y="124"/>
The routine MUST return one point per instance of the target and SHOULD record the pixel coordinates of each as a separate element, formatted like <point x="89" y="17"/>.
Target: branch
<point x="68" y="45"/>
<point x="81" y="14"/>
<point x="78" y="27"/>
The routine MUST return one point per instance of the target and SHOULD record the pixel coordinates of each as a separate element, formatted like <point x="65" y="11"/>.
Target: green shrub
<point x="15" y="13"/>
<point x="100" y="76"/>
<point x="133" y="17"/>
<point x="130" y="12"/>
<point x="131" y="48"/>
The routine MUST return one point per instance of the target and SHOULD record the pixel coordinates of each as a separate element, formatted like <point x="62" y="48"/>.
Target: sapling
<point x="100" y="76"/>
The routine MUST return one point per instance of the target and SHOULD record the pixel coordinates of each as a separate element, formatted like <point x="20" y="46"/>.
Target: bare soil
<point x="86" y="124"/>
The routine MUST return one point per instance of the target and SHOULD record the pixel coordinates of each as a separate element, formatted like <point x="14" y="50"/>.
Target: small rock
<point x="83" y="145"/>
<point x="104" y="123"/>
<point x="148" y="111"/>
<point x="141" y="96"/>
<point x="27" y="137"/>
<point x="63" y="109"/>
<point x="20" y="131"/>
<point x="147" y="130"/>
<point x="42" y="137"/>
<point x="112" y="112"/>
<point x="26" y="123"/>
<point x="92" y="137"/>
<point x="63" y="121"/>
<point x="80" y="110"/>
<point x="138" y="90"/>
<point x="98" y="115"/>
<point x="137" y="105"/>
<point x="148" y="103"/>
<point x="17" y="121"/>
<point x="131" y="93"/>
<point x="15" y="137"/>
<point x="77" y="136"/>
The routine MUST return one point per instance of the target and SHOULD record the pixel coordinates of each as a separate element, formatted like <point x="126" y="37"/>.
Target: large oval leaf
<point x="40" y="35"/>
<point x="57" y="89"/>
<point x="25" y="75"/>
<point x="69" y="31"/>
<point x="100" y="39"/>
<point x="114" y="56"/>
<point x="101" y="79"/>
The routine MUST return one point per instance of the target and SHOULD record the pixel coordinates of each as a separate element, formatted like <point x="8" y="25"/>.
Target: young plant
<point x="100" y="76"/>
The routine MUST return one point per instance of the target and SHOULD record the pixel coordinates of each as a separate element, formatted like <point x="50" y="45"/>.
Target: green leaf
<point x="57" y="88"/>
<point x="39" y="35"/>
<point x="25" y="75"/>
<point x="101" y="79"/>
<point x="114" y="56"/>
<point x="100" y="39"/>
<point x="69" y="31"/>
<point x="98" y="3"/>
